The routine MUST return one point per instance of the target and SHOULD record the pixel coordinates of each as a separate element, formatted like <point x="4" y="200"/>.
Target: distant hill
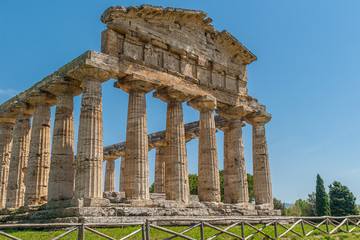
<point x="288" y="204"/>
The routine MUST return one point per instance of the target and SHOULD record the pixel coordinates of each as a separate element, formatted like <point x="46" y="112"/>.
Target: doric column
<point x="159" y="183"/>
<point x="176" y="163"/>
<point x="19" y="157"/>
<point x="261" y="166"/>
<point x="235" y="176"/>
<point x="208" y="163"/>
<point x="122" y="175"/>
<point x="136" y="152"/>
<point x="109" y="185"/>
<point x="37" y="174"/>
<point x="61" y="176"/>
<point x="6" y="139"/>
<point x="89" y="156"/>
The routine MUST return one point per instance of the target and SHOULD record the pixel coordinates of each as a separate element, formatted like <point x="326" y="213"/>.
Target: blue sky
<point x="306" y="74"/>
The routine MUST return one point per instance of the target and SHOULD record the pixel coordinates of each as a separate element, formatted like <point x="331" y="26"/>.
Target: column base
<point x="264" y="206"/>
<point x="94" y="202"/>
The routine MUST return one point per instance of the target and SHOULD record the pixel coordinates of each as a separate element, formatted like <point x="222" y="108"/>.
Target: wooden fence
<point x="283" y="227"/>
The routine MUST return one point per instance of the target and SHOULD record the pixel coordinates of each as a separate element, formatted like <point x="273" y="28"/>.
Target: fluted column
<point x="159" y="183"/>
<point x="136" y="152"/>
<point x="109" y="185"/>
<point x="89" y="158"/>
<point x="61" y="176"/>
<point x="122" y="175"/>
<point x="19" y="157"/>
<point x="6" y="140"/>
<point x="37" y="175"/>
<point x="208" y="163"/>
<point x="176" y="163"/>
<point x="261" y="166"/>
<point x="235" y="176"/>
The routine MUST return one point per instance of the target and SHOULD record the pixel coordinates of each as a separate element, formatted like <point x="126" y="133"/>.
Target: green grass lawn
<point x="118" y="233"/>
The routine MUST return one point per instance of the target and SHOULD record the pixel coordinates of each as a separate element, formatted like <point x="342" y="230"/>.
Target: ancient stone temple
<point x="177" y="56"/>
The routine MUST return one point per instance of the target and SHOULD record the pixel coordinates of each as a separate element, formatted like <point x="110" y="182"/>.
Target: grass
<point x="195" y="233"/>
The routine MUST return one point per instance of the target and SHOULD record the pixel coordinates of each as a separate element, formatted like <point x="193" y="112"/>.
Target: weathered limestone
<point x="208" y="163"/>
<point x="89" y="158"/>
<point x="235" y="176"/>
<point x="61" y="176"/>
<point x="159" y="183"/>
<point x="176" y="163"/>
<point x="261" y="166"/>
<point x="109" y="185"/>
<point x="136" y="153"/>
<point x="6" y="139"/>
<point x="37" y="175"/>
<point x="122" y="175"/>
<point x="19" y="157"/>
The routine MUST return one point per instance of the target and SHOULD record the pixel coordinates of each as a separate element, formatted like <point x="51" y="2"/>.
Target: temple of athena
<point x="178" y="56"/>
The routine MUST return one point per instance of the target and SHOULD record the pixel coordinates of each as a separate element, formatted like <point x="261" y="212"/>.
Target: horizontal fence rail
<point x="282" y="227"/>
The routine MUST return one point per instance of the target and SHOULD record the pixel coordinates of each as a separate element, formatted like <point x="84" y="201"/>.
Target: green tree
<point x="151" y="188"/>
<point x="293" y="210"/>
<point x="193" y="184"/>
<point x="312" y="204"/>
<point x="280" y="206"/>
<point x="221" y="175"/>
<point x="322" y="199"/>
<point x="342" y="201"/>
<point x="250" y="181"/>
<point x="304" y="207"/>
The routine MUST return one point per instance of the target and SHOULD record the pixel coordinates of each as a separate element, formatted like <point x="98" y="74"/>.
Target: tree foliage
<point x="280" y="206"/>
<point x="250" y="181"/>
<point x="322" y="199"/>
<point x="293" y="210"/>
<point x="342" y="201"/>
<point x="312" y="204"/>
<point x="193" y="184"/>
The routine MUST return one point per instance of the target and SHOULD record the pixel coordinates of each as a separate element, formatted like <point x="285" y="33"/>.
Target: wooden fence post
<point x="327" y="225"/>
<point x="275" y="229"/>
<point x="303" y="227"/>
<point x="242" y="229"/>
<point x="143" y="231"/>
<point x="147" y="229"/>
<point x="81" y="232"/>
<point x="202" y="231"/>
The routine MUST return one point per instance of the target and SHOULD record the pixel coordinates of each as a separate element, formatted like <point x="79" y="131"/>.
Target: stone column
<point x="159" y="183"/>
<point x="176" y="163"/>
<point x="6" y="139"/>
<point x="37" y="175"/>
<point x="136" y="152"/>
<point x="122" y="175"/>
<point x="110" y="175"/>
<point x="19" y="157"/>
<point x="261" y="166"/>
<point x="208" y="163"/>
<point x="89" y="158"/>
<point x="235" y="176"/>
<point x="61" y="176"/>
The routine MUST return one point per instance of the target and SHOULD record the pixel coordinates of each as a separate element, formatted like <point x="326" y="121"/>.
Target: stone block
<point x="96" y="202"/>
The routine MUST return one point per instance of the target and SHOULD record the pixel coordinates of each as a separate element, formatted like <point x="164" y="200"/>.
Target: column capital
<point x="258" y="118"/>
<point x="42" y="97"/>
<point x="137" y="82"/>
<point x="25" y="109"/>
<point x="66" y="87"/>
<point x="91" y="73"/>
<point x="205" y="102"/>
<point x="224" y="125"/>
<point x="110" y="157"/>
<point x="7" y="118"/>
<point x="171" y="93"/>
<point x="230" y="112"/>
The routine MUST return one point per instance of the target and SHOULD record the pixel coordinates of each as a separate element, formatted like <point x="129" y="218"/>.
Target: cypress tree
<point x="322" y="199"/>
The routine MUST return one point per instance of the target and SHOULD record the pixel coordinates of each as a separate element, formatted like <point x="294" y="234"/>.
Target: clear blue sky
<point x="307" y="75"/>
